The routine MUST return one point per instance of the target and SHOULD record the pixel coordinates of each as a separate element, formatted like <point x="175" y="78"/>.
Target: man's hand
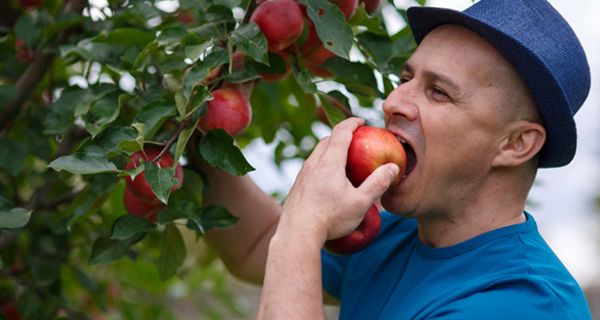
<point x="322" y="205"/>
<point x="322" y="200"/>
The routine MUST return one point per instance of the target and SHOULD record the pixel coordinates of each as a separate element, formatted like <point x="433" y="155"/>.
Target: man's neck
<point x="441" y="233"/>
<point x="484" y="211"/>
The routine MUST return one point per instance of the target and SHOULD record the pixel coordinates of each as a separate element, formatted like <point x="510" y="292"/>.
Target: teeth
<point x="402" y="141"/>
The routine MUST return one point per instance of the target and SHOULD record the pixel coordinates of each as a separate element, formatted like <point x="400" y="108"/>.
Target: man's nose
<point x="401" y="103"/>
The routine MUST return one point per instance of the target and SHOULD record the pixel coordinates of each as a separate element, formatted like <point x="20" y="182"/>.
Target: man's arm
<point x="322" y="205"/>
<point x="242" y="247"/>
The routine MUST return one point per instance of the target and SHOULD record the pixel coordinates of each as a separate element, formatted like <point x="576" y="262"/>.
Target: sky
<point x="562" y="200"/>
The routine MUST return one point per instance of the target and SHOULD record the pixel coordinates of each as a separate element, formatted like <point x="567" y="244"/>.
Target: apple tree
<point x="109" y="110"/>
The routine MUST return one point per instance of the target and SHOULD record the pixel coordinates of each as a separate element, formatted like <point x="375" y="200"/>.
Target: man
<point x="486" y="99"/>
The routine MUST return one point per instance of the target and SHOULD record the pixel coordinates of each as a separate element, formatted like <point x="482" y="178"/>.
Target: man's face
<point x="447" y="109"/>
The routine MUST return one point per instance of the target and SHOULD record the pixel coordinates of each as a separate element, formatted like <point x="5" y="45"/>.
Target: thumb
<point x="379" y="180"/>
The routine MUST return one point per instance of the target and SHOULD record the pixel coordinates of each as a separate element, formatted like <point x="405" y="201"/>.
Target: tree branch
<point x="35" y="73"/>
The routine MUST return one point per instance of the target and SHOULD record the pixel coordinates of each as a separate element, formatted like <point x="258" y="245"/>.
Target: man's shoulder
<point x="519" y="296"/>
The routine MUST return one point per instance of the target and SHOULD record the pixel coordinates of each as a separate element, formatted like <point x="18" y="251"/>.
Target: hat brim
<point x="561" y="134"/>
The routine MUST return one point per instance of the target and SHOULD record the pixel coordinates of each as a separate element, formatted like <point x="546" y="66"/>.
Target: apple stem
<point x="180" y="126"/>
<point x="249" y="11"/>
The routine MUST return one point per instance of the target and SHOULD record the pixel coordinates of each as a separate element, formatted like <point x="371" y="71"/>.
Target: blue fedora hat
<point x="543" y="48"/>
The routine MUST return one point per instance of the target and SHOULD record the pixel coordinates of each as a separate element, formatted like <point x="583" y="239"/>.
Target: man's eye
<point x="439" y="94"/>
<point x="404" y="79"/>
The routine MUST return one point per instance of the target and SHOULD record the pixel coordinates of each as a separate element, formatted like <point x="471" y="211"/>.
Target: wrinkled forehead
<point x="464" y="54"/>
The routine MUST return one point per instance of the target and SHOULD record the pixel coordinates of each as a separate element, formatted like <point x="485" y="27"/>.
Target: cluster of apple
<point x="139" y="199"/>
<point x="283" y="22"/>
<point x="288" y="29"/>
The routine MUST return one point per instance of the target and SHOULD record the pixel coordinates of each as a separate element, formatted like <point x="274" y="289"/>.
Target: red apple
<point x="280" y="21"/>
<point x="139" y="185"/>
<point x="370" y="148"/>
<point x="314" y="59"/>
<point x="31" y="3"/>
<point x="360" y="238"/>
<point x="229" y="110"/>
<point x="186" y="17"/>
<point x="371" y="5"/>
<point x="23" y="53"/>
<point x="140" y="207"/>
<point x="347" y="7"/>
<point x="10" y="311"/>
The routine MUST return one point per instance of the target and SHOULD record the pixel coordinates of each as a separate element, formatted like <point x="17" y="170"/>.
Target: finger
<point x="319" y="150"/>
<point x="342" y="135"/>
<point x="379" y="181"/>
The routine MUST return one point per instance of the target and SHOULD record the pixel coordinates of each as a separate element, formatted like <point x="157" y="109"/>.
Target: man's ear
<point x="523" y="141"/>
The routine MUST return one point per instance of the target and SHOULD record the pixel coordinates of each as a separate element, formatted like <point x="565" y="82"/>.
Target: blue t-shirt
<point x="508" y="273"/>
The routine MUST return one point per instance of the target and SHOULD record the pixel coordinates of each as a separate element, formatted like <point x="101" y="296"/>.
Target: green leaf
<point x="252" y="42"/>
<point x="331" y="26"/>
<point x="161" y="180"/>
<point x="304" y="79"/>
<point x="143" y="58"/>
<point x="91" y="51"/>
<point x="128" y="226"/>
<point x="182" y="141"/>
<point x="7" y="93"/>
<point x="172" y="252"/>
<point x="357" y="77"/>
<point x="199" y="95"/>
<point x="194" y="52"/>
<point x="93" y="93"/>
<point x="114" y="137"/>
<point x="102" y="113"/>
<point x="217" y="217"/>
<point x="217" y="148"/>
<point x="125" y="36"/>
<point x="106" y="249"/>
<point x="27" y="29"/>
<point x="154" y="115"/>
<point x="371" y="23"/>
<point x="333" y="113"/>
<point x="388" y="53"/>
<point x="84" y="162"/>
<point x="14" y="218"/>
<point x="171" y="36"/>
<point x="1" y="263"/>
<point x="61" y="113"/>
<point x="202" y="69"/>
<point x="12" y="155"/>
<point x="193" y="187"/>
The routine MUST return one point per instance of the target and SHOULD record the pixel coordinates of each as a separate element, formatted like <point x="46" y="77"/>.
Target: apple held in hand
<point x="360" y="238"/>
<point x="370" y="148"/>
<point x="229" y="110"/>
<point x="139" y="185"/>
<point x="281" y="22"/>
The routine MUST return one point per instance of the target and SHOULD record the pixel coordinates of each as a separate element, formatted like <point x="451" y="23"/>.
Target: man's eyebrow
<point x="434" y="76"/>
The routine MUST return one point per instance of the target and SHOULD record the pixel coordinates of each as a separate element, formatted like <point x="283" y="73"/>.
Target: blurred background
<point x="565" y="201"/>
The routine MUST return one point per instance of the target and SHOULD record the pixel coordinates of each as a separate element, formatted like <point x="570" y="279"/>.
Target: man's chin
<point x="395" y="207"/>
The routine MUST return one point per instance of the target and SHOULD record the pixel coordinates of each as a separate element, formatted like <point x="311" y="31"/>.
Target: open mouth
<point x="411" y="157"/>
